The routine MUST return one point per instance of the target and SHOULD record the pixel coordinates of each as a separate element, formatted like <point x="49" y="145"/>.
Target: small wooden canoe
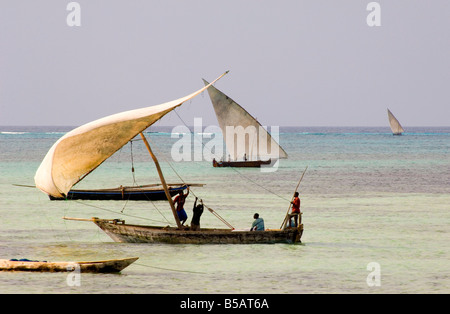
<point x="107" y="266"/>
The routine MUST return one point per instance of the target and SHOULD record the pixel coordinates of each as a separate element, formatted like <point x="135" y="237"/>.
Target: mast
<point x="163" y="181"/>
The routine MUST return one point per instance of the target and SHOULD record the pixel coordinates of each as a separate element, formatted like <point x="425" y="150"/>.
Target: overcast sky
<point x="291" y="62"/>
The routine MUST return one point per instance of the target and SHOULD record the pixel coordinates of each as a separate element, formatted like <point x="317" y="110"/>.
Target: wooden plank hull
<point x="143" y="193"/>
<point x="121" y="232"/>
<point x="108" y="266"/>
<point x="241" y="164"/>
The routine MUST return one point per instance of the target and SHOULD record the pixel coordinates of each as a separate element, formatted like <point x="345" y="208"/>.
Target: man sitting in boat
<point x="258" y="224"/>
<point x="179" y="201"/>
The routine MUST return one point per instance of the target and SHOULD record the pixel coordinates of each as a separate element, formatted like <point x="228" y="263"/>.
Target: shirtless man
<point x="179" y="201"/>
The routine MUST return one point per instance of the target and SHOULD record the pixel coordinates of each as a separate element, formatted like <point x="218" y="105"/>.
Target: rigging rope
<point x="112" y="211"/>
<point x="281" y="197"/>
<point x="178" y="175"/>
<point x="177" y="270"/>
<point x="132" y="162"/>
<point x="136" y="184"/>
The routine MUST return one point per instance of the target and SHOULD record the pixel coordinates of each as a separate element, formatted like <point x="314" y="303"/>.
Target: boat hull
<point x="242" y="164"/>
<point x="119" y="194"/>
<point x="121" y="232"/>
<point x="108" y="266"/>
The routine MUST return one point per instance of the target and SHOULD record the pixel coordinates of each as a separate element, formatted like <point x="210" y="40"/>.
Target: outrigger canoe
<point x="107" y="266"/>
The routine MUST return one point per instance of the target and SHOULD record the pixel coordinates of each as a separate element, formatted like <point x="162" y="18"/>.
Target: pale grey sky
<point x="291" y="62"/>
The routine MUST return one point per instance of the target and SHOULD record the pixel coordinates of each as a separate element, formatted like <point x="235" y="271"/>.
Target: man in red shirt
<point x="179" y="201"/>
<point x="295" y="208"/>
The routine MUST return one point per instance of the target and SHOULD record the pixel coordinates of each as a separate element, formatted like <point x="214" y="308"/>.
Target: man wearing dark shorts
<point x="296" y="208"/>
<point x="179" y="201"/>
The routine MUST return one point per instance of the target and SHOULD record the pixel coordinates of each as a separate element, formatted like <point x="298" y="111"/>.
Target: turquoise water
<point x="367" y="197"/>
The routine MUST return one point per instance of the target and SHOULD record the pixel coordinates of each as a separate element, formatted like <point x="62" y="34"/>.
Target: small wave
<point x="13" y="133"/>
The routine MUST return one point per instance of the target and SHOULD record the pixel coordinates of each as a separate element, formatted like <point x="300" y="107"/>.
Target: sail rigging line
<point x="133" y="174"/>
<point x="169" y="269"/>
<point x="235" y="170"/>
<point x="190" y="189"/>
<point x="132" y="162"/>
<point x="151" y="202"/>
<point x="114" y="212"/>
<point x="212" y="211"/>
<point x="136" y="184"/>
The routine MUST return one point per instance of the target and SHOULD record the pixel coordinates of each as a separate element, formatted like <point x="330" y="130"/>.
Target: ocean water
<point x="376" y="216"/>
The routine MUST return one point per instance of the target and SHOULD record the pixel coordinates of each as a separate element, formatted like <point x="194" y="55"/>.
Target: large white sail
<point x="83" y="149"/>
<point x="395" y="125"/>
<point x="243" y="134"/>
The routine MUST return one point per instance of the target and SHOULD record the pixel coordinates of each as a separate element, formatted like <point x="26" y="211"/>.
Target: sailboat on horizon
<point x="248" y="143"/>
<point x="395" y="125"/>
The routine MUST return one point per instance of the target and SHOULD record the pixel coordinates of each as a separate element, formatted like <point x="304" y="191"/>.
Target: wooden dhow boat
<point x="395" y="125"/>
<point x="106" y="266"/>
<point x="119" y="231"/>
<point x="247" y="141"/>
<point x="242" y="164"/>
<point x="83" y="149"/>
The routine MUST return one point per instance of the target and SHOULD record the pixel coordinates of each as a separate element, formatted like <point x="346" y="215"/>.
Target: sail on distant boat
<point x="83" y="149"/>
<point x="247" y="141"/>
<point x="396" y="127"/>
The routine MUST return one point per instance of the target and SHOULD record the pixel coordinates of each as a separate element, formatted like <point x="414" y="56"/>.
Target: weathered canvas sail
<point x="83" y="149"/>
<point x="395" y="125"/>
<point x="242" y="133"/>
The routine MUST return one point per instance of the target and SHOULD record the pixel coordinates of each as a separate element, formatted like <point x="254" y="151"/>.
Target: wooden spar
<point x="79" y="219"/>
<point x="163" y="181"/>
<point x="287" y="213"/>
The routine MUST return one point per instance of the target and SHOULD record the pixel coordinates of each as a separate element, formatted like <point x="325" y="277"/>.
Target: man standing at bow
<point x="295" y="209"/>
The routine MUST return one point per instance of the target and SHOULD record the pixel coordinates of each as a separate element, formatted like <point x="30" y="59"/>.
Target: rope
<point x="114" y="212"/>
<point x="132" y="162"/>
<point x="234" y="169"/>
<point x="136" y="184"/>
<point x="178" y="175"/>
<point x="219" y="217"/>
<point x="180" y="271"/>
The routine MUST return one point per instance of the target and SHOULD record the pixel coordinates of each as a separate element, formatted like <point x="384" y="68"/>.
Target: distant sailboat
<point x="396" y="127"/>
<point x="248" y="143"/>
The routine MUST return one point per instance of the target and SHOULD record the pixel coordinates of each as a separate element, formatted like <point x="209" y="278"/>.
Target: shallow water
<point x="367" y="196"/>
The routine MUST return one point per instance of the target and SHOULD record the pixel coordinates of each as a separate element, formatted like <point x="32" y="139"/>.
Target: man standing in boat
<point x="295" y="209"/>
<point x="197" y="212"/>
<point x="179" y="201"/>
